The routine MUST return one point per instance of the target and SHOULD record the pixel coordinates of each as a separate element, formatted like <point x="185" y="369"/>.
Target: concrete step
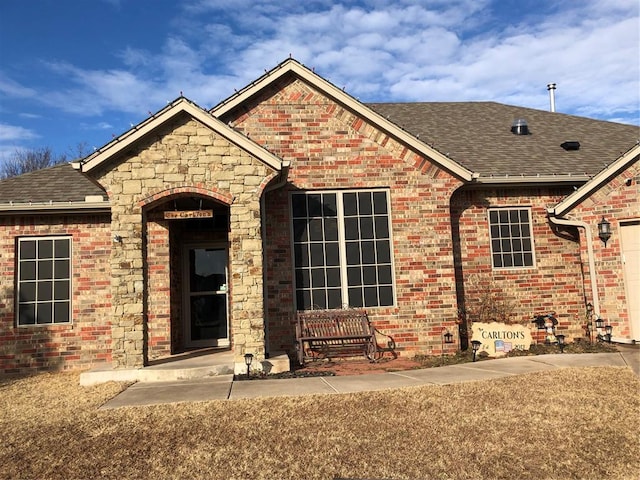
<point x="179" y="367"/>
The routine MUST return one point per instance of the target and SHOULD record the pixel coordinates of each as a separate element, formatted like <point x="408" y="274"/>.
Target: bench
<point x="326" y="333"/>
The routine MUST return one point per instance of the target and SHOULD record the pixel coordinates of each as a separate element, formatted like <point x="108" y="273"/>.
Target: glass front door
<point x="205" y="301"/>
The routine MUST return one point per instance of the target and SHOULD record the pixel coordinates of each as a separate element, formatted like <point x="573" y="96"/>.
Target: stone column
<point x="247" y="308"/>
<point x="127" y="287"/>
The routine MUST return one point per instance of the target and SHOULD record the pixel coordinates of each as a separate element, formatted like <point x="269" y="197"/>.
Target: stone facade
<point x="184" y="158"/>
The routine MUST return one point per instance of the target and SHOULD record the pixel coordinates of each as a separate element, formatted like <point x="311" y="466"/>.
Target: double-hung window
<point x="342" y="249"/>
<point x="44" y="280"/>
<point x="511" y="238"/>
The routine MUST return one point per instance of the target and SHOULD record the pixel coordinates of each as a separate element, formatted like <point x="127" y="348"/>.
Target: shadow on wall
<point x="27" y="350"/>
<point x="462" y="200"/>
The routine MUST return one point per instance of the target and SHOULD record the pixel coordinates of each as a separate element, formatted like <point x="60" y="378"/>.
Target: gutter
<point x="57" y="207"/>
<point x="592" y="263"/>
<point x="531" y="179"/>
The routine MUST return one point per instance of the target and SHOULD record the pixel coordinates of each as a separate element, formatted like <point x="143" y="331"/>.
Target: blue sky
<point x="76" y="72"/>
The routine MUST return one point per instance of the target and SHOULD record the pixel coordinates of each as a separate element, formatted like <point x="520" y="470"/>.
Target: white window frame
<point x="344" y="285"/>
<point x="511" y="238"/>
<point x="39" y="281"/>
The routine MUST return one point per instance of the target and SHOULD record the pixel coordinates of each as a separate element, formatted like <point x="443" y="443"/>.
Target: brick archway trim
<point x="223" y="197"/>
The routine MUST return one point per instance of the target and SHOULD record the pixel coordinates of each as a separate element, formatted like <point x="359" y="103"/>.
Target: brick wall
<point x="617" y="201"/>
<point x="85" y="342"/>
<point x="554" y="284"/>
<point x="331" y="148"/>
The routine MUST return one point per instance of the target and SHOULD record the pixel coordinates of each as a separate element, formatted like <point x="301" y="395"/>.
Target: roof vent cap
<point x="520" y="127"/>
<point x="570" y="145"/>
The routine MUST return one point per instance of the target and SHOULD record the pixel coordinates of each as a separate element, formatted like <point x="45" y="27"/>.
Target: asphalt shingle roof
<point x="60" y="183"/>
<point x="478" y="136"/>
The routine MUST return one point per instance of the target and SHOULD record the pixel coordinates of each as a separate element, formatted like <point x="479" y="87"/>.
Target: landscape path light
<point x="599" y="323"/>
<point x="608" y="330"/>
<point x="248" y="358"/>
<point x="475" y="345"/>
<point x="561" y="343"/>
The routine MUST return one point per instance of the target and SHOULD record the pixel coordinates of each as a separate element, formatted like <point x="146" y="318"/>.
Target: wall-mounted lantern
<point x="604" y="230"/>
<point x="448" y="337"/>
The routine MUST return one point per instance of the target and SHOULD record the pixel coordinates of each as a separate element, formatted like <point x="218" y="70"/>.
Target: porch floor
<point x="195" y="364"/>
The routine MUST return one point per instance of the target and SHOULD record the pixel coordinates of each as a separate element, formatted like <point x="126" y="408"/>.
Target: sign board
<point x="185" y="214"/>
<point x="498" y="339"/>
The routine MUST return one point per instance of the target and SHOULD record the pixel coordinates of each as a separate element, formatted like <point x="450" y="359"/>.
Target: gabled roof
<point x="177" y="107"/>
<point x="60" y="187"/>
<point x="586" y="190"/>
<point x="292" y="67"/>
<point x="478" y="136"/>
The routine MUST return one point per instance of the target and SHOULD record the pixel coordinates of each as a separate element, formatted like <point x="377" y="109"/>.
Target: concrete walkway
<point x="223" y="387"/>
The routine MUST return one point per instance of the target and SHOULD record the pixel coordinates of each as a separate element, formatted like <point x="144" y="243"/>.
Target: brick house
<point x="211" y="228"/>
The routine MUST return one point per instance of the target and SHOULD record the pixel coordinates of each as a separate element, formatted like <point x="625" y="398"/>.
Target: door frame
<point x="186" y="295"/>
<point x="627" y="272"/>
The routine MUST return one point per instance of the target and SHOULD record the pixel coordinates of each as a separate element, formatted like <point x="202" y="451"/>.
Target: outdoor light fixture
<point x="599" y="323"/>
<point x="607" y="330"/>
<point x="448" y="337"/>
<point x="248" y="358"/>
<point x="604" y="230"/>
<point x="561" y="343"/>
<point x="475" y="345"/>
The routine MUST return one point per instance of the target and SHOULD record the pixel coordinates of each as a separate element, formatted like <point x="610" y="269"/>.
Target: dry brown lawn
<point x="571" y="423"/>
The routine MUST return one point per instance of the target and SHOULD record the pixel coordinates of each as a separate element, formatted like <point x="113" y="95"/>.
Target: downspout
<point x="280" y="182"/>
<point x="592" y="263"/>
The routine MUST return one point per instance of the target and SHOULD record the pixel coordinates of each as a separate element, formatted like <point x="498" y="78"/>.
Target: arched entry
<point x="187" y="274"/>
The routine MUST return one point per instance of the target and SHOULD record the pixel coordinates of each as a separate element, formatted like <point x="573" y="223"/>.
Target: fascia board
<point x="596" y="182"/>
<point x="163" y="116"/>
<point x="348" y="101"/>
<point x="52" y="208"/>
<point x="532" y="180"/>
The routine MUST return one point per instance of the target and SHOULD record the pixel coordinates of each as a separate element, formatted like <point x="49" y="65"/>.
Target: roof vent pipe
<point x="552" y="95"/>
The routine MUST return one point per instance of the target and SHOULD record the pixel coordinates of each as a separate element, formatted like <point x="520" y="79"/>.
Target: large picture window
<point x="342" y="249"/>
<point x="511" y="238"/>
<point x="44" y="280"/>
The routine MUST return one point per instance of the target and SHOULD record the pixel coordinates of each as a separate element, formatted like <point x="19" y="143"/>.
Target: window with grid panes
<point x="511" y="238"/>
<point x="342" y="249"/>
<point x="44" y="280"/>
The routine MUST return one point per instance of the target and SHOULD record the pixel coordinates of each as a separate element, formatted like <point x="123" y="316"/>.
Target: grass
<point x="568" y="423"/>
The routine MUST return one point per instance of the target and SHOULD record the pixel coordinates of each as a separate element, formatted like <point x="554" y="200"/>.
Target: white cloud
<point x="13" y="133"/>
<point x="11" y="88"/>
<point x="96" y="126"/>
<point x="433" y="50"/>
